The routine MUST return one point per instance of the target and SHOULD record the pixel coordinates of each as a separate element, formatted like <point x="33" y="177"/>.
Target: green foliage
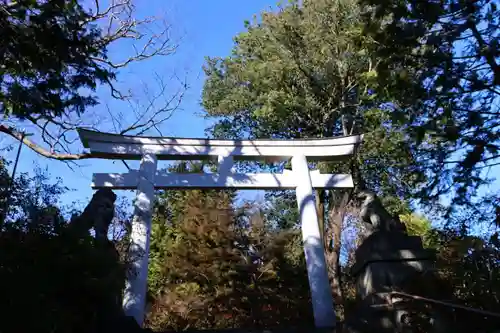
<point x="439" y="66"/>
<point x="308" y="71"/>
<point x="392" y="70"/>
<point x="4" y="188"/>
<point x="48" y="54"/>
<point x="214" y="268"/>
<point x="54" y="281"/>
<point x="470" y="266"/>
<point x="281" y="209"/>
<point x="57" y="283"/>
<point x="171" y="208"/>
<point x="286" y="74"/>
<point x="418" y="225"/>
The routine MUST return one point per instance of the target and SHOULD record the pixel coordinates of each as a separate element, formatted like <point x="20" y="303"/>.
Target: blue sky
<point x="203" y="28"/>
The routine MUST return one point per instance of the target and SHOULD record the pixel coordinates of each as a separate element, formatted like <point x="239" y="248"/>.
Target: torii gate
<point x="151" y="149"/>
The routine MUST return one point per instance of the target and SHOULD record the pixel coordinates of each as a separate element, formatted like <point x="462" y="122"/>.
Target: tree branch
<point x="139" y="37"/>
<point x="40" y="150"/>
<point x="485" y="50"/>
<point x="149" y="38"/>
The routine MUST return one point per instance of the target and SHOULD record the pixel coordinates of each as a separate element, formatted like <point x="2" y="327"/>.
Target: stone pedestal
<point x="387" y="261"/>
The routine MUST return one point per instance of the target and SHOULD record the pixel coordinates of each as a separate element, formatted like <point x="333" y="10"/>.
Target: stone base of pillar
<point x="387" y="261"/>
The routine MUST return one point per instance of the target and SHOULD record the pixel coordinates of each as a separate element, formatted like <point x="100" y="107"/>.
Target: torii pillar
<point x="147" y="179"/>
<point x="134" y="296"/>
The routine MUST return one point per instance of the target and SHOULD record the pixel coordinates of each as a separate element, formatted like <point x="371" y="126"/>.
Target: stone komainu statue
<point x="376" y="216"/>
<point x="388" y="260"/>
<point x="98" y="214"/>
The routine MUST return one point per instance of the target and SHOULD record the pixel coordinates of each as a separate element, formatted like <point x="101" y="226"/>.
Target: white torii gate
<point x="151" y="149"/>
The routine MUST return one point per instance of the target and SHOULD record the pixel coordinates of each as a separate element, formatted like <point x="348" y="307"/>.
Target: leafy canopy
<point x="308" y="70"/>
<point x="439" y="65"/>
<point x="48" y="65"/>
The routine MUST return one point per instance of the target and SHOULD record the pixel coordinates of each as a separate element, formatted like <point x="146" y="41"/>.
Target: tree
<point x="470" y="266"/>
<point x="281" y="209"/>
<point x="72" y="282"/>
<point x="307" y="71"/>
<point x="418" y="225"/>
<point x="466" y="268"/>
<point x="214" y="268"/>
<point x="56" y="55"/>
<point x="439" y="65"/>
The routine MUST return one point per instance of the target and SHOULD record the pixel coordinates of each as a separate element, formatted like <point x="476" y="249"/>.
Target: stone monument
<point x="387" y="260"/>
<point x="98" y="214"/>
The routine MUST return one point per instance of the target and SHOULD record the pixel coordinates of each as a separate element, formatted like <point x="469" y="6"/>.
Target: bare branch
<point x="117" y="94"/>
<point x="147" y="120"/>
<point x="138" y="39"/>
<point x="40" y="150"/>
<point x="149" y="36"/>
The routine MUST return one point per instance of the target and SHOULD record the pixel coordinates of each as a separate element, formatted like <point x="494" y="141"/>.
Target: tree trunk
<point x="320" y="209"/>
<point x="337" y="207"/>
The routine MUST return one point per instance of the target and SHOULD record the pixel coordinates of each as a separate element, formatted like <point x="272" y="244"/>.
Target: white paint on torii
<point x="256" y="181"/>
<point x="113" y="146"/>
<point x="151" y="149"/>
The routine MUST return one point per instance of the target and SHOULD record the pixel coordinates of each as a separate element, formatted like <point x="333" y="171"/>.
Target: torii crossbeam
<point x="151" y="149"/>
